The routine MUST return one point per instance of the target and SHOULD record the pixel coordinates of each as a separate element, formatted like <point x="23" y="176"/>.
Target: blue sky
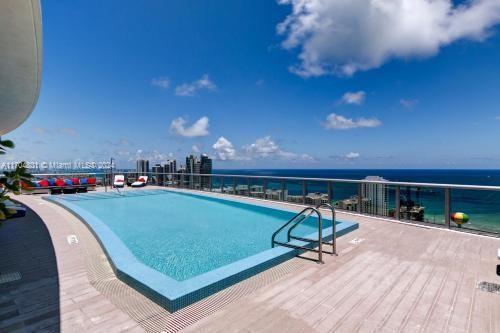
<point x="256" y="86"/>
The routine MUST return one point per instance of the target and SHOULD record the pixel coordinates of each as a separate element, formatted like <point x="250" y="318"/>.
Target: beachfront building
<point x="142" y="167"/>
<point x="274" y="194"/>
<point x="195" y="166"/>
<point x="205" y="169"/>
<point x="375" y="196"/>
<point x="157" y="173"/>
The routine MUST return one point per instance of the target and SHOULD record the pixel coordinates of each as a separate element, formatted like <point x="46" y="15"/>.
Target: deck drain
<point x="356" y="240"/>
<point x="9" y="277"/>
<point x="489" y="287"/>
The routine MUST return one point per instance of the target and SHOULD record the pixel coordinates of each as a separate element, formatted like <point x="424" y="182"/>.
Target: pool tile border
<point x="168" y="292"/>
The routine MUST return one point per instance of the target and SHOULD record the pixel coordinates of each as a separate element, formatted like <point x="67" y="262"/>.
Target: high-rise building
<point x="205" y="164"/>
<point x="375" y="196"/>
<point x="206" y="169"/>
<point x="170" y="166"/>
<point x="158" y="176"/>
<point x="195" y="166"/>
<point x="192" y="167"/>
<point x="142" y="167"/>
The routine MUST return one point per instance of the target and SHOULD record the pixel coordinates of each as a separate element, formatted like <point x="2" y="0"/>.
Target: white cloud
<point x="352" y="156"/>
<point x="195" y="149"/>
<point x="40" y="130"/>
<point x="224" y="150"/>
<point x="68" y="131"/>
<point x="338" y="122"/>
<point x="153" y="156"/>
<point x="190" y="89"/>
<point x="354" y="98"/>
<point x="65" y="131"/>
<point x="266" y="148"/>
<point x="342" y="37"/>
<point x="199" y="128"/>
<point x="161" y="82"/>
<point x="408" y="103"/>
<point x="262" y="148"/>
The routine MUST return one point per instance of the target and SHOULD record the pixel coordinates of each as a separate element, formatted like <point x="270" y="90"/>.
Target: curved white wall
<point x="20" y="61"/>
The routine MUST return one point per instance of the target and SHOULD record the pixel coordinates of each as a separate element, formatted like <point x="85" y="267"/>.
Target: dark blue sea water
<point x="469" y="177"/>
<point x="483" y="207"/>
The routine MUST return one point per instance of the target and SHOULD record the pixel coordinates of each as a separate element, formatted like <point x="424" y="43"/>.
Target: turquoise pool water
<point x="184" y="235"/>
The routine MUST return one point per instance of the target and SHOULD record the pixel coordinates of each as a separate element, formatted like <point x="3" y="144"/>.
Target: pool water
<point x="184" y="235"/>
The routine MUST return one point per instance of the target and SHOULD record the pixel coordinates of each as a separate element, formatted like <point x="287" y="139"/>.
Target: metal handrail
<point x="334" y="226"/>
<point x="336" y="180"/>
<point x="303" y="216"/>
<point x="334" y="231"/>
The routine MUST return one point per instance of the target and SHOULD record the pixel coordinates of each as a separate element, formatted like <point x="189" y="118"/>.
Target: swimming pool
<point x="179" y="247"/>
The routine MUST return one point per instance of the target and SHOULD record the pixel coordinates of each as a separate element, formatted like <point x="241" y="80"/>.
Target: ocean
<point x="483" y="207"/>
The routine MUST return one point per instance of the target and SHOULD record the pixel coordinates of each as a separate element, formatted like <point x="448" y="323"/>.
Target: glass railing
<point x="427" y="203"/>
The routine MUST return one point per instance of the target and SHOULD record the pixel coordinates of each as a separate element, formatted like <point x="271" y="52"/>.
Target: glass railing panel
<point x="481" y="207"/>
<point x="294" y="191"/>
<point x="391" y="202"/>
<point x="229" y="185"/>
<point x="170" y="180"/>
<point x="241" y="186"/>
<point x="316" y="193"/>
<point x="422" y="204"/>
<point x="205" y="183"/>
<point x="274" y="190"/>
<point x="345" y="196"/>
<point x="257" y="188"/>
<point x="217" y="184"/>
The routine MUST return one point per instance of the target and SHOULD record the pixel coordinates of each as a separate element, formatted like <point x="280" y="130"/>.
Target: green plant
<point x="11" y="182"/>
<point x="5" y="144"/>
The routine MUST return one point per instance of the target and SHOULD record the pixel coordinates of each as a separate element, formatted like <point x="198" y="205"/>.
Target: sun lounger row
<point x="62" y="185"/>
<point x="119" y="181"/>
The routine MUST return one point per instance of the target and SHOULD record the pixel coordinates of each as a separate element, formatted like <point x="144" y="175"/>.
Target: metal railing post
<point x="264" y="188"/>
<point x="234" y="185"/>
<point x="304" y="190"/>
<point x="283" y="188"/>
<point x="447" y="206"/>
<point x="248" y="186"/>
<point x="320" y="236"/>
<point x="330" y="192"/>
<point x="360" y="200"/>
<point x="397" y="212"/>
<point x="222" y="184"/>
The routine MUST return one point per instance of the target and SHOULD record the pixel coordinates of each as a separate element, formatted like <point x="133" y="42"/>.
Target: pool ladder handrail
<point x="298" y="218"/>
<point x="333" y="243"/>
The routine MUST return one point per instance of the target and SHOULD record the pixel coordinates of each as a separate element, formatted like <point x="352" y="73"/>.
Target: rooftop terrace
<point x="389" y="276"/>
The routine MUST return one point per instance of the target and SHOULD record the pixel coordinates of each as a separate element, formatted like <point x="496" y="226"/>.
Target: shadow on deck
<point x="30" y="303"/>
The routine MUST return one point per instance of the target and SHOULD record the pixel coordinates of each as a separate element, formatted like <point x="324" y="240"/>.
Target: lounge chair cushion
<point x="75" y="181"/>
<point x="43" y="183"/>
<point x="59" y="182"/>
<point x="83" y="181"/>
<point x="68" y="182"/>
<point x="52" y="182"/>
<point x="91" y="181"/>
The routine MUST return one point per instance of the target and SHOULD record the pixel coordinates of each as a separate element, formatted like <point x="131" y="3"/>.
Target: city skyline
<point x="165" y="85"/>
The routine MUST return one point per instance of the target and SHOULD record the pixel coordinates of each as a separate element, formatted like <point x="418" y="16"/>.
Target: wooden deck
<point x="396" y="278"/>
